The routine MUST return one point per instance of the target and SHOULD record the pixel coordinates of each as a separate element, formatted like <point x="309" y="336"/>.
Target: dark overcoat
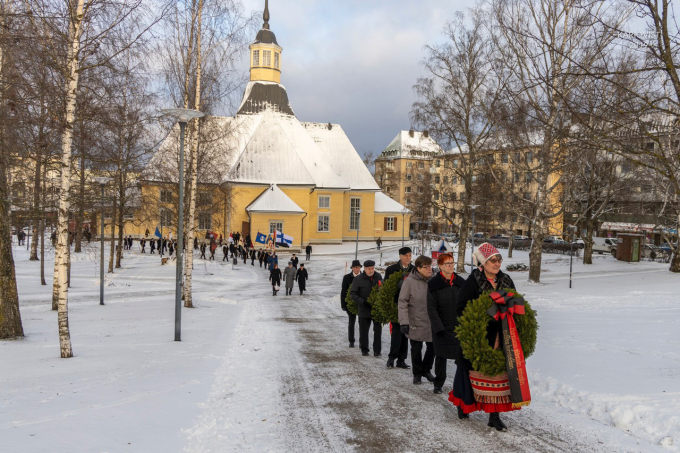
<point x="442" y="304"/>
<point x="361" y="289"/>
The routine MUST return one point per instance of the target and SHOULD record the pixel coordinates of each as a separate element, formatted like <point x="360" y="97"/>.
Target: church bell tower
<point x="265" y="53"/>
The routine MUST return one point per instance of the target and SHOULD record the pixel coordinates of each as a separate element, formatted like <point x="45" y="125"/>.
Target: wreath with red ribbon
<point x="505" y="305"/>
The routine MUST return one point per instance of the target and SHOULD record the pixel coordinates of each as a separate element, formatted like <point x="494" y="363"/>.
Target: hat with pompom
<point x="483" y="253"/>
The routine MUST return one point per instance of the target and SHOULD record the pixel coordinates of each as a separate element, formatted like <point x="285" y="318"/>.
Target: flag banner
<point x="260" y="238"/>
<point x="158" y="233"/>
<point x="283" y="239"/>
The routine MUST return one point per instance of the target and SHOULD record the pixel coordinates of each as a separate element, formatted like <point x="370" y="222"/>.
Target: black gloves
<point x="404" y="329"/>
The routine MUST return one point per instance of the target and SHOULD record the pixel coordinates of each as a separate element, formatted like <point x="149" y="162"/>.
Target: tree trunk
<point x="36" y="207"/>
<point x="42" y="229"/>
<point x="462" y="244"/>
<point x="112" y="251"/>
<point x="511" y="244"/>
<point x="10" y="317"/>
<point x="675" y="261"/>
<point x="588" y="241"/>
<point x="121" y="220"/>
<point x="536" y="251"/>
<point x="80" y="214"/>
<point x="75" y="29"/>
<point x="193" y="170"/>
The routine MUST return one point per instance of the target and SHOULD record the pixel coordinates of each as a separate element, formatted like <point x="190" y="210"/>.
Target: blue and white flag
<point x="283" y="239"/>
<point x="158" y="233"/>
<point x="260" y="238"/>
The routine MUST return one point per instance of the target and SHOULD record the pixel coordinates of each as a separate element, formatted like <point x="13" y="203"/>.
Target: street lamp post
<point x="572" y="228"/>
<point x="102" y="181"/>
<point x="356" y="250"/>
<point x="472" y="237"/>
<point x="403" y="225"/>
<point x="182" y="116"/>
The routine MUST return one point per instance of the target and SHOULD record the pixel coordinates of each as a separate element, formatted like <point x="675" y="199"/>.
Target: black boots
<point x="351" y="345"/>
<point x="416" y="380"/>
<point x="437" y="390"/>
<point x="390" y="363"/>
<point x="429" y="377"/>
<point x="462" y="415"/>
<point x="496" y="422"/>
<point x="403" y="365"/>
<point x="364" y="353"/>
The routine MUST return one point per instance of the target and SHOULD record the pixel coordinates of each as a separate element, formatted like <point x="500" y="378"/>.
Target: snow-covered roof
<point x="383" y="203"/>
<point x="339" y="152"/>
<point x="412" y="145"/>
<point x="274" y="200"/>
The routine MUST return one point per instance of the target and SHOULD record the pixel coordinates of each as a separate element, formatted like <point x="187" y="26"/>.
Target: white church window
<point x="266" y="58"/>
<point x="324" y="201"/>
<point x="277" y="62"/>
<point x="275" y="226"/>
<point x="204" y="221"/>
<point x="324" y="223"/>
<point x="390" y="224"/>
<point x="354" y="207"/>
<point x="256" y="58"/>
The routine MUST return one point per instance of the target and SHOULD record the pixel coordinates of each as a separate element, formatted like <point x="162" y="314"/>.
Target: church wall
<point x="366" y="219"/>
<point x="335" y="211"/>
<point x="392" y="235"/>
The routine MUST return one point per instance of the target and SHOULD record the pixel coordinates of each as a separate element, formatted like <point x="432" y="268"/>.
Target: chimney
<point x="330" y="126"/>
<point x="426" y="133"/>
<point x="411" y="133"/>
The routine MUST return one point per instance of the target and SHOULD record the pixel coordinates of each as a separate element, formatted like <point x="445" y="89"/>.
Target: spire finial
<point x="265" y="16"/>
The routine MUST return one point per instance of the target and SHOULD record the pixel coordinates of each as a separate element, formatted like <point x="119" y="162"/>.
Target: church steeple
<point x="265" y="53"/>
<point x="265" y="15"/>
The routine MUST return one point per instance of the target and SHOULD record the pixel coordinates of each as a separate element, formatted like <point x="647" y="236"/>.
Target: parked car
<point x="520" y="237"/>
<point x="500" y="236"/>
<point x="604" y="245"/>
<point x="554" y="239"/>
<point x="479" y="235"/>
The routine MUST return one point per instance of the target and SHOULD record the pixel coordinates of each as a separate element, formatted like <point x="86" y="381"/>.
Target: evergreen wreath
<point x="386" y="310"/>
<point x="373" y="301"/>
<point x="471" y="333"/>
<point x="351" y="305"/>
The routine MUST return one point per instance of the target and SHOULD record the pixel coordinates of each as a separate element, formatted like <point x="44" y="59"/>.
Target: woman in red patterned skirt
<point x="473" y="391"/>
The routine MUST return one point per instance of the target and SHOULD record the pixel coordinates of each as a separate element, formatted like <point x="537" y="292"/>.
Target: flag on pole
<point x="158" y="233"/>
<point x="283" y="239"/>
<point x="260" y="238"/>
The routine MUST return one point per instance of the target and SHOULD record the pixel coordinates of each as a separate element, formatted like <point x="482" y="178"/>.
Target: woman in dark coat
<point x="301" y="277"/>
<point x="275" y="278"/>
<point x="486" y="277"/>
<point x="443" y="291"/>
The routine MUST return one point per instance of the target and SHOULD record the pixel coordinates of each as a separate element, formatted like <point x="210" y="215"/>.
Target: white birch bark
<point x="61" y="261"/>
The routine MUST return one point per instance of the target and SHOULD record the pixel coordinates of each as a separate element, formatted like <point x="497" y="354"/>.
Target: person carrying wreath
<point x="361" y="288"/>
<point x="347" y="280"/>
<point x="414" y="321"/>
<point x="487" y="277"/>
<point x="443" y="292"/>
<point x="398" y="342"/>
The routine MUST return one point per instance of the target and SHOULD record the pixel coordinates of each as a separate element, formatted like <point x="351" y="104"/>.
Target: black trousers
<point x="398" y="344"/>
<point x="308" y="257"/>
<point x="350" y="326"/>
<point x="364" y="326"/>
<point x="422" y="364"/>
<point x="439" y="371"/>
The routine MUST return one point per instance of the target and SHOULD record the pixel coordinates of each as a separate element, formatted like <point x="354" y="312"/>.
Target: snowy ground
<point x="261" y="373"/>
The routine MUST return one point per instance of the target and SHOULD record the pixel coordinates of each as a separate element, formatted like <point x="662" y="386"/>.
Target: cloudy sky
<point x="354" y="62"/>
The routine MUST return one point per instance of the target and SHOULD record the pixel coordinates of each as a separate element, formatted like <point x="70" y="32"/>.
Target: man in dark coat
<point x="152" y="243"/>
<point x="346" y="283"/>
<point x="295" y="261"/>
<point x="443" y="291"/>
<point x="260" y="256"/>
<point x="308" y="251"/>
<point x="399" y="343"/>
<point x="359" y="291"/>
<point x="301" y="276"/>
<point x="253" y="255"/>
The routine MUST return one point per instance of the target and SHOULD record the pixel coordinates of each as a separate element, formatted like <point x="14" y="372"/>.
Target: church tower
<point x="265" y="53"/>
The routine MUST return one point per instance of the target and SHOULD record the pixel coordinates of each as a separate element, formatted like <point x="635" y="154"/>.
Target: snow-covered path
<point x="261" y="373"/>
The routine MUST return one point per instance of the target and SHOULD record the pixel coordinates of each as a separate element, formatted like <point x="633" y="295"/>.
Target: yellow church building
<point x="273" y="172"/>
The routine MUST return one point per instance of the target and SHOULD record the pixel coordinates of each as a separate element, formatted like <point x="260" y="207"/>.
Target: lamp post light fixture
<point x="472" y="237"/>
<point x="356" y="250"/>
<point x="102" y="181"/>
<point x="182" y="116"/>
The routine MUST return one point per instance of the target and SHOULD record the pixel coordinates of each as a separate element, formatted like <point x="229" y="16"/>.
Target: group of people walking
<point x="429" y="309"/>
<point x="290" y="274"/>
